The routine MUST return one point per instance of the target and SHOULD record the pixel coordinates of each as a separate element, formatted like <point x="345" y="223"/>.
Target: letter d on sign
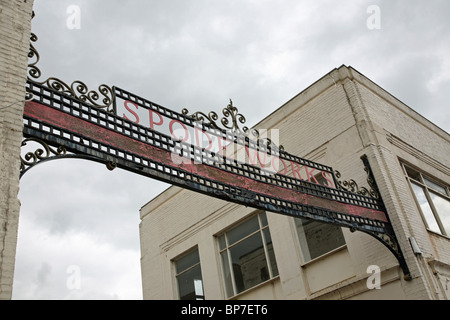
<point x="374" y="281"/>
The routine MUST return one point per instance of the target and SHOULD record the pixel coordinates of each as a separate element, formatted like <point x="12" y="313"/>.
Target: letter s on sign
<point x="131" y="111"/>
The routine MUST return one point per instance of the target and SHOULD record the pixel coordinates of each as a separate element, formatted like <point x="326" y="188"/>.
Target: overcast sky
<point x="80" y="220"/>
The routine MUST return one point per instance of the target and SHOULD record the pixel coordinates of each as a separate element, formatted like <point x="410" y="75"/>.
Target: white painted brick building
<point x="195" y="246"/>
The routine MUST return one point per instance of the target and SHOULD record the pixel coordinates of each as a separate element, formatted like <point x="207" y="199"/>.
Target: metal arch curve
<point x="47" y="153"/>
<point x="389" y="240"/>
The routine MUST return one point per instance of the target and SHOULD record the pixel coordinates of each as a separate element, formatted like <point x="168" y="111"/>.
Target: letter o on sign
<point x="179" y="133"/>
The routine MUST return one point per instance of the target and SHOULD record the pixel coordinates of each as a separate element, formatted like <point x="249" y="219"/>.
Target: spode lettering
<point x="223" y="145"/>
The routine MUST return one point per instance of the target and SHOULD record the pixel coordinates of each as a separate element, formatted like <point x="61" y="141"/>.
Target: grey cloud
<point x="43" y="274"/>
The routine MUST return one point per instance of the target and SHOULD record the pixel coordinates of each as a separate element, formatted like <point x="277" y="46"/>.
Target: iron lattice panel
<point x="117" y="124"/>
<point x="106" y="151"/>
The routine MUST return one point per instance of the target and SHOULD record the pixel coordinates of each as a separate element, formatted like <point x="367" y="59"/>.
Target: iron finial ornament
<point x="231" y="121"/>
<point x="232" y="111"/>
<point x="212" y="117"/>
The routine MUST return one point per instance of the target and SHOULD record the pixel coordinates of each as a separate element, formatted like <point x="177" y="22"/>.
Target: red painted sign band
<point x="120" y="141"/>
<point x="269" y="163"/>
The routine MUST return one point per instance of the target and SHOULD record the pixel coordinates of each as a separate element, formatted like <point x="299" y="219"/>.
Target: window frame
<point x="261" y="230"/>
<point x="306" y="256"/>
<point x="177" y="274"/>
<point x="427" y="189"/>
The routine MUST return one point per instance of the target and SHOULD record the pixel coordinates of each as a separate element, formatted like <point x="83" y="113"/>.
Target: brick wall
<point x="15" y="25"/>
<point x="402" y="135"/>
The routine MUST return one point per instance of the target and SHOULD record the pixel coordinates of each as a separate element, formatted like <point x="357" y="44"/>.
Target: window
<point x="433" y="199"/>
<point x="247" y="255"/>
<point x="189" y="277"/>
<point x="317" y="238"/>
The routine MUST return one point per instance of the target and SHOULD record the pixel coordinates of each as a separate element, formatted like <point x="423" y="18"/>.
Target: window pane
<point x="198" y="287"/>
<point x="243" y="230"/>
<point x="263" y="218"/>
<point x="426" y="209"/>
<point x="187" y="261"/>
<point x="190" y="284"/>
<point x="412" y="173"/>
<point x="318" y="238"/>
<point x="249" y="263"/>
<point x="269" y="246"/>
<point x="245" y="260"/>
<point x="227" y="273"/>
<point x="222" y="243"/>
<point x="302" y="239"/>
<point x="442" y="206"/>
<point x="435" y="186"/>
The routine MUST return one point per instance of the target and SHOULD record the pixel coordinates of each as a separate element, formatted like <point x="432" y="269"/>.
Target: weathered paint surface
<point x="120" y="141"/>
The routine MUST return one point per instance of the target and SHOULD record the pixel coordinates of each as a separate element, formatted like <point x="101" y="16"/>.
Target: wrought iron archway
<point x="71" y="121"/>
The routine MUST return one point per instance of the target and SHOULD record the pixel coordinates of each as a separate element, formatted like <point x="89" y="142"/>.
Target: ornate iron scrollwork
<point x="80" y="91"/>
<point x="352" y="186"/>
<point x="212" y="117"/>
<point x="77" y="89"/>
<point x="231" y="121"/>
<point x="33" y="70"/>
<point x="391" y="242"/>
<point x="42" y="153"/>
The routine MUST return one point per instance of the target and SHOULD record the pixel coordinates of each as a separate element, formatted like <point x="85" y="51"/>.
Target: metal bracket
<point x="388" y="238"/>
<point x="46" y="153"/>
